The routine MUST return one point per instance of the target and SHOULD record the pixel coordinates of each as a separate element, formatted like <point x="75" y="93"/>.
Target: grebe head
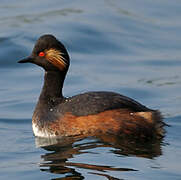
<point x="49" y="53"/>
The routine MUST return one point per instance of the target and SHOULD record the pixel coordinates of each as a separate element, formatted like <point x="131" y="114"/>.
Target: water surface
<point x="131" y="47"/>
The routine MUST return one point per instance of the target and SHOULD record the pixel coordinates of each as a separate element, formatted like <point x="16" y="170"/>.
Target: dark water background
<point x="131" y="47"/>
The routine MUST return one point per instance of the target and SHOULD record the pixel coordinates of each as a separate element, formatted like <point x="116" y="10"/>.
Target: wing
<point x="96" y="102"/>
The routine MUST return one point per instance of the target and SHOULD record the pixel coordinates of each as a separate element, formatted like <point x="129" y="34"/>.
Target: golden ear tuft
<point x="55" y="57"/>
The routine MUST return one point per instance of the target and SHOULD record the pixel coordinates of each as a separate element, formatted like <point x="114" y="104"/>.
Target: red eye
<point x="41" y="54"/>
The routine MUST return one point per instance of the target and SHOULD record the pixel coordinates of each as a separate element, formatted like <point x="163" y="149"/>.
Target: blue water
<point x="131" y="47"/>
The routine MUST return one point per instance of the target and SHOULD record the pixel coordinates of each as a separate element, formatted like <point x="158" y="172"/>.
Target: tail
<point x="155" y="118"/>
<point x="159" y="124"/>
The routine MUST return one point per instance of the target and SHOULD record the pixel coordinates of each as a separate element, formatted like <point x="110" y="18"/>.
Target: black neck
<point x="53" y="84"/>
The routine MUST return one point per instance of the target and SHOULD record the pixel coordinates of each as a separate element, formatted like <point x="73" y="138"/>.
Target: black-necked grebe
<point x="89" y="113"/>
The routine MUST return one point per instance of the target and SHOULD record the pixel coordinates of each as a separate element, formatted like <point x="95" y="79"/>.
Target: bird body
<point x="90" y="113"/>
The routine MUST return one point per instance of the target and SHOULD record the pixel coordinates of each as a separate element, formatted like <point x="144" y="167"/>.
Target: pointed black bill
<point x="26" y="60"/>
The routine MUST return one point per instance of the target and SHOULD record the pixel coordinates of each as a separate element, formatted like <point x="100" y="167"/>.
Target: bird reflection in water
<point x="60" y="152"/>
